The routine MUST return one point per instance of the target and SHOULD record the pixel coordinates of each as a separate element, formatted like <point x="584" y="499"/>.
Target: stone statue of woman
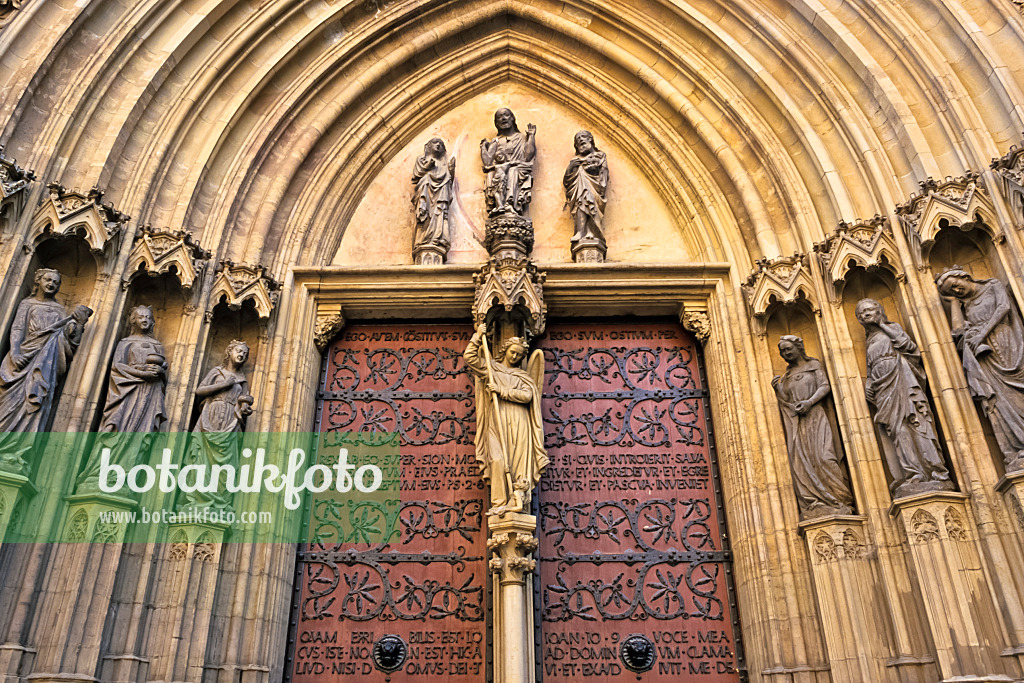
<point x="989" y="334"/>
<point x="508" y="163"/>
<point x="433" y="175"/>
<point x="226" y="404"/>
<point x="509" y="430"/>
<point x="819" y="477"/>
<point x="895" y="387"/>
<point x="44" y="338"/>
<point x="135" y="399"/>
<point x="586" y="184"/>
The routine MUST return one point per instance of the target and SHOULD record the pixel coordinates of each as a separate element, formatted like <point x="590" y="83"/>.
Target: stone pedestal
<point x="14" y="488"/>
<point x="852" y="610"/>
<point x="186" y="580"/>
<point x="589" y="252"/>
<point x="429" y="256"/>
<point x="958" y="601"/>
<point x="75" y="596"/>
<point x="511" y="543"/>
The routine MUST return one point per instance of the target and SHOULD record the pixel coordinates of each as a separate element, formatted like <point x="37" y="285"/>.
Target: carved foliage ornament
<point x="7" y="10"/>
<point x="157" y="251"/>
<point x="511" y="555"/>
<point x="236" y="283"/>
<point x="782" y="280"/>
<point x="962" y="202"/>
<point x="13" y="178"/>
<point x="66" y="213"/>
<point x="868" y="243"/>
<point x="838" y="544"/>
<point x="1010" y="168"/>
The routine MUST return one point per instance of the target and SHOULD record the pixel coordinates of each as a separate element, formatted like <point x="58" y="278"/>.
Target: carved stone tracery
<point x="13" y="178"/>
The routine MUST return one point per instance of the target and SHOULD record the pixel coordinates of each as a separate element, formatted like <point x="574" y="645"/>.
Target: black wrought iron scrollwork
<point x="652" y="391"/>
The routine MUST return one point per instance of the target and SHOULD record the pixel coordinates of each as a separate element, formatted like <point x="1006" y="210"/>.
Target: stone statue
<point x="226" y="404"/>
<point x="135" y="398"/>
<point x="989" y="334"/>
<point x="586" y="185"/>
<point x="508" y="163"/>
<point x="44" y="338"/>
<point x="433" y="176"/>
<point x="509" y="430"/>
<point x="895" y="386"/>
<point x="819" y="477"/>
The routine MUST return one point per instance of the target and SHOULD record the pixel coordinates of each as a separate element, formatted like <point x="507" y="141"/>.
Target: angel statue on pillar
<point x="509" y="430"/>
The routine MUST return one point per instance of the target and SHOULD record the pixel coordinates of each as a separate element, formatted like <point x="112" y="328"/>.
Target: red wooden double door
<point x="634" y="571"/>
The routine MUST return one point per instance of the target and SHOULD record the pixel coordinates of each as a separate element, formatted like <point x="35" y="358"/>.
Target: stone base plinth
<point x="853" y="613"/>
<point x="948" y="566"/>
<point x="589" y="252"/>
<point x="429" y="255"/>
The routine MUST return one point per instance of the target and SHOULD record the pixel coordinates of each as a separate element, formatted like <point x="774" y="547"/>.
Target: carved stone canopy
<point x="865" y="243"/>
<point x="1010" y="168"/>
<point x="66" y="213"/>
<point x="13" y="178"/>
<point x="235" y="283"/>
<point x="158" y="251"/>
<point x="783" y="280"/>
<point x="515" y="288"/>
<point x="960" y="202"/>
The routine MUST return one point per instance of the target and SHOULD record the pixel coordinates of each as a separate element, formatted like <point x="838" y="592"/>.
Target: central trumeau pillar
<point x="508" y="312"/>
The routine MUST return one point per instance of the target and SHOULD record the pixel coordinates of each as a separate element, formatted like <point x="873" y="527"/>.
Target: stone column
<point x="962" y="615"/>
<point x="512" y="542"/>
<point x="853" y="614"/>
<point x="76" y="592"/>
<point x="186" y="582"/>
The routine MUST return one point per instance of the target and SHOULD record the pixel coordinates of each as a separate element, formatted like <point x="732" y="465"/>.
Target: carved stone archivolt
<point x="159" y="251"/>
<point x="237" y="283"/>
<point x="68" y="213"/>
<point x="960" y="202"/>
<point x="868" y="244"/>
<point x="778" y="281"/>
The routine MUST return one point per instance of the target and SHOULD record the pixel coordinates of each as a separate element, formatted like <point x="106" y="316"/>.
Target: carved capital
<point x="511" y="554"/>
<point x="158" y="251"/>
<point x="68" y="213"/>
<point x="236" y="283"/>
<point x="866" y="243"/>
<point x="780" y="281"/>
<point x="515" y="287"/>
<point x="959" y="202"/>
<point x="329" y="323"/>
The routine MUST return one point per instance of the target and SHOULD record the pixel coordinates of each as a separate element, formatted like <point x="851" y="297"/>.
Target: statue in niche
<point x="135" y="398"/>
<point x="990" y="337"/>
<point x="226" y="403"/>
<point x="508" y="163"/>
<point x="895" y="387"/>
<point x="43" y="341"/>
<point x="433" y="175"/>
<point x="819" y="477"/>
<point x="586" y="186"/>
<point x="509" y="430"/>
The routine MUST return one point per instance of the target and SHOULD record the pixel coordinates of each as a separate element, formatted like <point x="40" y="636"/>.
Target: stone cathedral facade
<point x="695" y="325"/>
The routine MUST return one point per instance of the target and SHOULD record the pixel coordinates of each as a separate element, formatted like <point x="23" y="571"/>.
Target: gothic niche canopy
<point x="159" y="251"/>
<point x="67" y="213"/>
<point x="866" y="243"/>
<point x="779" y="281"/>
<point x="962" y="202"/>
<point x="235" y="283"/>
